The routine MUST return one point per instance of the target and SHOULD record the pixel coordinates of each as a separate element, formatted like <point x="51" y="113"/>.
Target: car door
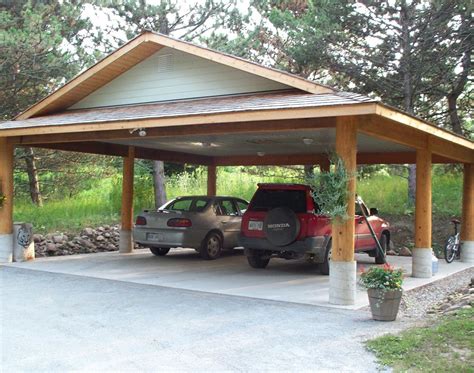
<point x="230" y="220"/>
<point x="364" y="239"/>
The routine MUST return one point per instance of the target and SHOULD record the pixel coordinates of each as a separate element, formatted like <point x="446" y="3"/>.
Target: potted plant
<point x="384" y="288"/>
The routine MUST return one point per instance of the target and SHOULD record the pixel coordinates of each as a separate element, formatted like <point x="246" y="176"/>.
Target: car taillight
<point x="140" y="220"/>
<point x="179" y="222"/>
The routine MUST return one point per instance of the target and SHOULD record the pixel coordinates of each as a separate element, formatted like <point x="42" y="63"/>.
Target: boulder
<point x="51" y="247"/>
<point x="404" y="251"/>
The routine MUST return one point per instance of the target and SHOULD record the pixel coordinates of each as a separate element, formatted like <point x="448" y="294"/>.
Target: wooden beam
<point x="467" y="229"/>
<point x="423" y="207"/>
<point x="321" y="159"/>
<point x="387" y="130"/>
<point x="451" y="150"/>
<point x="269" y="160"/>
<point x="343" y="231"/>
<point x="6" y="187"/>
<point x="264" y="126"/>
<point x="211" y="180"/>
<point x="196" y="119"/>
<point x="325" y="165"/>
<point x="126" y="241"/>
<point x="412" y="122"/>
<point x="122" y="151"/>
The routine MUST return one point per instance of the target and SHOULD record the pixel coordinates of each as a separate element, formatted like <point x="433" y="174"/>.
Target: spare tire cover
<point x="281" y="226"/>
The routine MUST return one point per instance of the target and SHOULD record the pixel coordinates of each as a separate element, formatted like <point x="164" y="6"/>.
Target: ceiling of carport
<point x="291" y="142"/>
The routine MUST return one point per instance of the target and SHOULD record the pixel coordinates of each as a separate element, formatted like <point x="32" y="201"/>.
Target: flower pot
<point x="384" y="303"/>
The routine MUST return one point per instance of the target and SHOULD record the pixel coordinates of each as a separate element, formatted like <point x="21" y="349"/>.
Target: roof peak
<point x="136" y="50"/>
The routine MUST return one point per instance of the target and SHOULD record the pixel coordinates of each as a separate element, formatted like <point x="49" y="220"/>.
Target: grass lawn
<point x="446" y="346"/>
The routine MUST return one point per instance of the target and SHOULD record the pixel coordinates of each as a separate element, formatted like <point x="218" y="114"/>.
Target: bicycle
<point x="452" y="249"/>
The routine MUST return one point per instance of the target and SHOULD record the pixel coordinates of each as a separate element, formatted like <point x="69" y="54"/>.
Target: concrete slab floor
<point x="287" y="281"/>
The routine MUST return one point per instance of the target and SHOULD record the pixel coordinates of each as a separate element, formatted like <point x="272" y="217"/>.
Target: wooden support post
<point x="324" y="166"/>
<point x="342" y="276"/>
<point x="126" y="239"/>
<point x="422" y="253"/>
<point x="467" y="229"/>
<point x="211" y="180"/>
<point x="6" y="210"/>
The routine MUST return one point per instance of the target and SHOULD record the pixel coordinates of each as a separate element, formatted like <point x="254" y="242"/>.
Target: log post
<point x="211" y="180"/>
<point x="6" y="211"/>
<point x="422" y="253"/>
<point x="467" y="229"/>
<point x="324" y="166"/>
<point x="126" y="239"/>
<point x="342" y="275"/>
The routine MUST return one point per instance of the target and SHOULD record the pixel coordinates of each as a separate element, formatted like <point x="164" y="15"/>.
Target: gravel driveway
<point x="57" y="322"/>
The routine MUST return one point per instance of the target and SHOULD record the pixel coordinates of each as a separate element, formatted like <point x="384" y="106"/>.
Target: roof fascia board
<point x="218" y="118"/>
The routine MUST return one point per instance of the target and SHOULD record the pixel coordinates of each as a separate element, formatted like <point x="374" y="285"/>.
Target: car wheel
<point x="324" y="266"/>
<point x="211" y="247"/>
<point x="379" y="258"/>
<point x="159" y="251"/>
<point x="257" y="259"/>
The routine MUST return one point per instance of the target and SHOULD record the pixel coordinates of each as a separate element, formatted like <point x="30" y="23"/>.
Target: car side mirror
<point x="374" y="211"/>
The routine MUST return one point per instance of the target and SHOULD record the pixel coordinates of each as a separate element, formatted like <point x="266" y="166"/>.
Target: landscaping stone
<point x="90" y="240"/>
<point x="391" y="252"/>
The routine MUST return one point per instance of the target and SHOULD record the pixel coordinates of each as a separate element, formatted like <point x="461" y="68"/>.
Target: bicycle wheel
<point x="450" y="249"/>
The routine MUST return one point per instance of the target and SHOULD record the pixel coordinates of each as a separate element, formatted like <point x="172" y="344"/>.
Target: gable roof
<point x="142" y="47"/>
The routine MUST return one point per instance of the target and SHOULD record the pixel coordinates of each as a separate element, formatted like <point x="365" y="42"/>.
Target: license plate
<point x="255" y="225"/>
<point x="154" y="237"/>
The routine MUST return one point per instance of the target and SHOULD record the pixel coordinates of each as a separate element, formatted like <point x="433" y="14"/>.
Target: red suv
<point x="282" y="221"/>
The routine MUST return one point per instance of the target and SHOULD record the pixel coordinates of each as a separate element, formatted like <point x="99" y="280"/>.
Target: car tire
<point x="380" y="259"/>
<point x="211" y="247"/>
<point x="324" y="266"/>
<point x="257" y="259"/>
<point x="159" y="251"/>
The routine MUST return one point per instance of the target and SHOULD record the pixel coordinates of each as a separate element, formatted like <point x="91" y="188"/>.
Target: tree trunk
<point x="308" y="171"/>
<point x="457" y="90"/>
<point x="159" y="183"/>
<point x="407" y="86"/>
<point x="32" y="171"/>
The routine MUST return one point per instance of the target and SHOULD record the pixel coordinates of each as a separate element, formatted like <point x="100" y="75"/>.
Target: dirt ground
<point x="403" y="231"/>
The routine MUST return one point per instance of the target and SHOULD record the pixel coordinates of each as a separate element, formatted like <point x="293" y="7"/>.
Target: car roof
<point x="294" y="186"/>
<point x="210" y="197"/>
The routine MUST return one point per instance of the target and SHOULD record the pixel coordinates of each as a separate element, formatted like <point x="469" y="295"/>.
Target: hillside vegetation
<point x="100" y="204"/>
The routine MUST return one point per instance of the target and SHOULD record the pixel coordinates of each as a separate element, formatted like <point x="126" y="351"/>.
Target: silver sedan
<point x="207" y="224"/>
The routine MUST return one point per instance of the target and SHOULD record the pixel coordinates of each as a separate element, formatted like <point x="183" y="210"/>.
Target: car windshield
<point x="191" y="204"/>
<point x="267" y="199"/>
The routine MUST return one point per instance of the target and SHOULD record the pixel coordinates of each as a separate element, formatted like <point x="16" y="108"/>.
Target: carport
<point x="164" y="99"/>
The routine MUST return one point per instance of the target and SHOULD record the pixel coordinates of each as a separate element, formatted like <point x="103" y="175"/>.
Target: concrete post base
<point x="6" y="248"/>
<point x="342" y="282"/>
<point x="126" y="242"/>
<point x="422" y="262"/>
<point x="467" y="252"/>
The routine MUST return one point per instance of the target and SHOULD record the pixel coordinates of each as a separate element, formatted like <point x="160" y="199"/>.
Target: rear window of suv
<point x="267" y="199"/>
